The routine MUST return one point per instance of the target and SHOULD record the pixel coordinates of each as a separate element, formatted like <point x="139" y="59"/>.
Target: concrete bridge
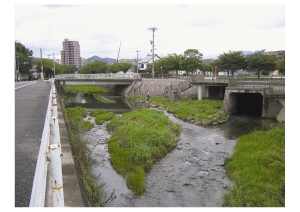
<point x="122" y="82"/>
<point x="264" y="97"/>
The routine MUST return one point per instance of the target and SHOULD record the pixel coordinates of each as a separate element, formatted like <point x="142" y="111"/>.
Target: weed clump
<point x="139" y="139"/>
<point x="257" y="169"/>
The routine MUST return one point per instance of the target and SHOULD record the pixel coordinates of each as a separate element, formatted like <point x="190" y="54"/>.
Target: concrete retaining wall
<point x="157" y="87"/>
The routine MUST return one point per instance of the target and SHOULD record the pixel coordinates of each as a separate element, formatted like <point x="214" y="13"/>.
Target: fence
<point x="48" y="153"/>
<point x="99" y="76"/>
<point x="274" y="84"/>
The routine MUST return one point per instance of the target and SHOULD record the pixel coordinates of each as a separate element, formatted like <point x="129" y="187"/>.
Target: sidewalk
<point x="73" y="194"/>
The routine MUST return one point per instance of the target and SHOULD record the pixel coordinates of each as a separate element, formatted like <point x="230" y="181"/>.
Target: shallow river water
<point x="192" y="175"/>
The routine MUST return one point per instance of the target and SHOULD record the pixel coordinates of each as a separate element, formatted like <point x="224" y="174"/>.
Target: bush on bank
<point x="257" y="169"/>
<point x="188" y="109"/>
<point x="73" y="118"/>
<point x="139" y="139"/>
<point x="89" y="89"/>
<point x="100" y="119"/>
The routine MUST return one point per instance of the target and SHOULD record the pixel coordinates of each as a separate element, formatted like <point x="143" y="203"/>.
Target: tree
<point x="23" y="57"/>
<point x="116" y="67"/>
<point x="191" y="60"/>
<point x="47" y="67"/>
<point x="206" y="67"/>
<point x="261" y="62"/>
<point x="280" y="64"/>
<point x="170" y="63"/>
<point x="94" y="68"/>
<point x="232" y="61"/>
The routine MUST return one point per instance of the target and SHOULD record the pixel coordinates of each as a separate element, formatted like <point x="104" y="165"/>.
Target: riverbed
<point x="192" y="175"/>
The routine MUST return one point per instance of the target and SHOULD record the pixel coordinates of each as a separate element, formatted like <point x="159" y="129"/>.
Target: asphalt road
<point x="31" y="99"/>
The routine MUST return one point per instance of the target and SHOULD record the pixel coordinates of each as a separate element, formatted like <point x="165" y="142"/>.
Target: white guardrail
<point x="50" y="150"/>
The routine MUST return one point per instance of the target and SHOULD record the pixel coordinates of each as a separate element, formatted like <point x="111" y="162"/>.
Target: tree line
<point x="230" y="62"/>
<point x="190" y="61"/>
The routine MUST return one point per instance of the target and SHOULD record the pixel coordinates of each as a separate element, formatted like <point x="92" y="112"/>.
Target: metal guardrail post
<point x="56" y="172"/>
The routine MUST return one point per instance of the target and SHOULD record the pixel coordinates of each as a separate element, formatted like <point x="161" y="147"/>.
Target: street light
<point x="162" y="75"/>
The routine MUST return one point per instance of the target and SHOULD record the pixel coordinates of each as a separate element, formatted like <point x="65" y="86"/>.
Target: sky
<point x="123" y="30"/>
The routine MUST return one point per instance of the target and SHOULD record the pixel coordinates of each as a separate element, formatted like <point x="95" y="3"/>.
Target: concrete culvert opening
<point x="249" y="104"/>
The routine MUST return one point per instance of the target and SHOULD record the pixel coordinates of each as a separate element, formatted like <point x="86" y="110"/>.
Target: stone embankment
<point x="157" y="87"/>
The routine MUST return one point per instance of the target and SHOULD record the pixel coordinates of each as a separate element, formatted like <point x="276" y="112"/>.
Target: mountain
<point x="107" y="60"/>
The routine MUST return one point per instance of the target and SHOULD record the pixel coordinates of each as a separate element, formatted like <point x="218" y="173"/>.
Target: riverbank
<point x="204" y="112"/>
<point x="193" y="174"/>
<point x="257" y="169"/>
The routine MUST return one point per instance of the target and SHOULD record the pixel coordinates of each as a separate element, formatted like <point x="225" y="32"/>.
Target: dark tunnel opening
<point x="249" y="104"/>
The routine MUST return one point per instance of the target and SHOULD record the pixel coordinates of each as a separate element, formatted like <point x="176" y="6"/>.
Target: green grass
<point x="86" y="125"/>
<point x="97" y="112"/>
<point x="100" y="119"/>
<point x="139" y="139"/>
<point x="73" y="117"/>
<point x="195" y="109"/>
<point x="257" y="169"/>
<point x="89" y="89"/>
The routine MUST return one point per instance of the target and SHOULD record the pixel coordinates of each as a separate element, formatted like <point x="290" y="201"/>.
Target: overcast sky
<point x="104" y="29"/>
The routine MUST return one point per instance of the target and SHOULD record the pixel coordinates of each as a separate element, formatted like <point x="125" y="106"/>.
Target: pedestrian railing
<point x="50" y="151"/>
<point x="98" y="76"/>
<point x="274" y="84"/>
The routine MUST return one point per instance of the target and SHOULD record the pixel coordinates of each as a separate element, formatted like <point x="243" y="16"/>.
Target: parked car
<point x="32" y="78"/>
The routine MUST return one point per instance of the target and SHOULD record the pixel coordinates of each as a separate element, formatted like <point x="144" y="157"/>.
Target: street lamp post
<point x="162" y="75"/>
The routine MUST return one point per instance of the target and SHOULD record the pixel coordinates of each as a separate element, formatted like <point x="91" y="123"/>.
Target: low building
<point x="146" y="61"/>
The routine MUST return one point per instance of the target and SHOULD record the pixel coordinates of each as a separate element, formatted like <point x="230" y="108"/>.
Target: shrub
<point x="139" y="139"/>
<point x="97" y="112"/>
<point x="100" y="119"/>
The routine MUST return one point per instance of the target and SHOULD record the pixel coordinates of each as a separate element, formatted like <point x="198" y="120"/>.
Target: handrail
<point x="99" y="76"/>
<point x="170" y="93"/>
<point x="179" y="93"/>
<point x="47" y="153"/>
<point x="39" y="183"/>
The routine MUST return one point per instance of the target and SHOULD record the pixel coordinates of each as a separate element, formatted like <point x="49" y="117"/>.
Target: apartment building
<point x="70" y="55"/>
<point x="279" y="54"/>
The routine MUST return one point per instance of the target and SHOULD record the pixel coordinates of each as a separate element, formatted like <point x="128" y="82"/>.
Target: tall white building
<point x="70" y="55"/>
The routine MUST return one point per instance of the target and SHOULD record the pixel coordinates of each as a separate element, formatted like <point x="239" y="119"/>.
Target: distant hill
<point x="107" y="60"/>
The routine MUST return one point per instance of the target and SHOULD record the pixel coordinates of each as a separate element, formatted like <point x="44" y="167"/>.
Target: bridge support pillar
<point x="199" y="88"/>
<point x="202" y="92"/>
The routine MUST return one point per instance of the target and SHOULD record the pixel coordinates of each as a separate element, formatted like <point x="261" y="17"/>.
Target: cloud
<point x="100" y="29"/>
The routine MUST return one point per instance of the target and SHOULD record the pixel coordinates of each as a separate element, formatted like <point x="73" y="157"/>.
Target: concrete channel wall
<point x="157" y="87"/>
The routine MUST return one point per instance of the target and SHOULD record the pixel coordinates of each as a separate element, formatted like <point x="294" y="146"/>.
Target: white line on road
<point x="25" y="85"/>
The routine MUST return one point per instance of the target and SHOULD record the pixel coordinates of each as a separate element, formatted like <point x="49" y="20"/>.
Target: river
<point x="192" y="175"/>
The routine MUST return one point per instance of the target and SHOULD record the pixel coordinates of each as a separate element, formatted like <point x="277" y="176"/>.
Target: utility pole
<point x="153" y="29"/>
<point x="119" y="52"/>
<point x="137" y="61"/>
<point x="42" y="76"/>
<point x="53" y="65"/>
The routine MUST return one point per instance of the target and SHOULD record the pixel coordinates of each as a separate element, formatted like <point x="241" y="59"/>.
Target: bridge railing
<point x="274" y="84"/>
<point x="207" y="78"/>
<point x="99" y="76"/>
<point x="50" y="150"/>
